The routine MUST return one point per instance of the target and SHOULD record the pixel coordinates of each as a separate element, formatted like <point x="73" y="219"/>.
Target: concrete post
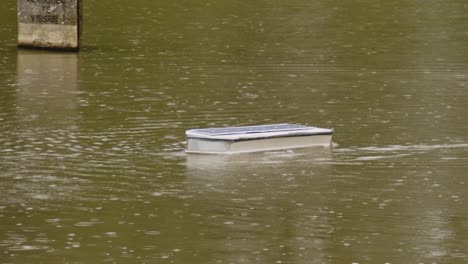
<point x="49" y="24"/>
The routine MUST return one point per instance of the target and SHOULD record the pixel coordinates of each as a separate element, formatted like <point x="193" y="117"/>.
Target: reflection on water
<point x="41" y="126"/>
<point x="92" y="167"/>
<point x="47" y="88"/>
<point x="257" y="212"/>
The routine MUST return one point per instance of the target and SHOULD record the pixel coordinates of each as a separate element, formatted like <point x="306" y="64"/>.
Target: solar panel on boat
<point x="251" y="129"/>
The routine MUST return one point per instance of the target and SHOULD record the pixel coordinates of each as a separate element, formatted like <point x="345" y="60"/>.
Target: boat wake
<point x="397" y="148"/>
<point x="400" y="152"/>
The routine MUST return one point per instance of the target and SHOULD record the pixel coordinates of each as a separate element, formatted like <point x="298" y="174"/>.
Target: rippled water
<point x="91" y="144"/>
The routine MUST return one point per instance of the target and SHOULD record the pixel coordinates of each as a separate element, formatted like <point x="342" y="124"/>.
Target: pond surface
<point x="92" y="159"/>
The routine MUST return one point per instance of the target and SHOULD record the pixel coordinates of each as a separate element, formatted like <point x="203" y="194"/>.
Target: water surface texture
<point x="92" y="167"/>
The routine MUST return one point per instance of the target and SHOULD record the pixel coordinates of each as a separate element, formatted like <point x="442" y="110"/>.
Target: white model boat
<point x="255" y="138"/>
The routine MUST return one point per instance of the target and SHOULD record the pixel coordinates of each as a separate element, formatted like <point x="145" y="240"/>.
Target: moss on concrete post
<point x="49" y="24"/>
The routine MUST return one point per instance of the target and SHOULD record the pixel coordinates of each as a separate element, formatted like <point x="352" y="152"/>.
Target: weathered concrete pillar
<point x="50" y="24"/>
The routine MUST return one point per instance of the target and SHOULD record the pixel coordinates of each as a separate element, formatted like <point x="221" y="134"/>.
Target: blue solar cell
<point x="250" y="129"/>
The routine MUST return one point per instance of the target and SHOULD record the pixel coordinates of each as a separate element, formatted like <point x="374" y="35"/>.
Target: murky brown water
<point x="91" y="144"/>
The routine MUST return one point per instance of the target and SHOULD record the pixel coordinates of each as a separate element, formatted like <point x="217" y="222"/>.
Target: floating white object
<point x="255" y="138"/>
